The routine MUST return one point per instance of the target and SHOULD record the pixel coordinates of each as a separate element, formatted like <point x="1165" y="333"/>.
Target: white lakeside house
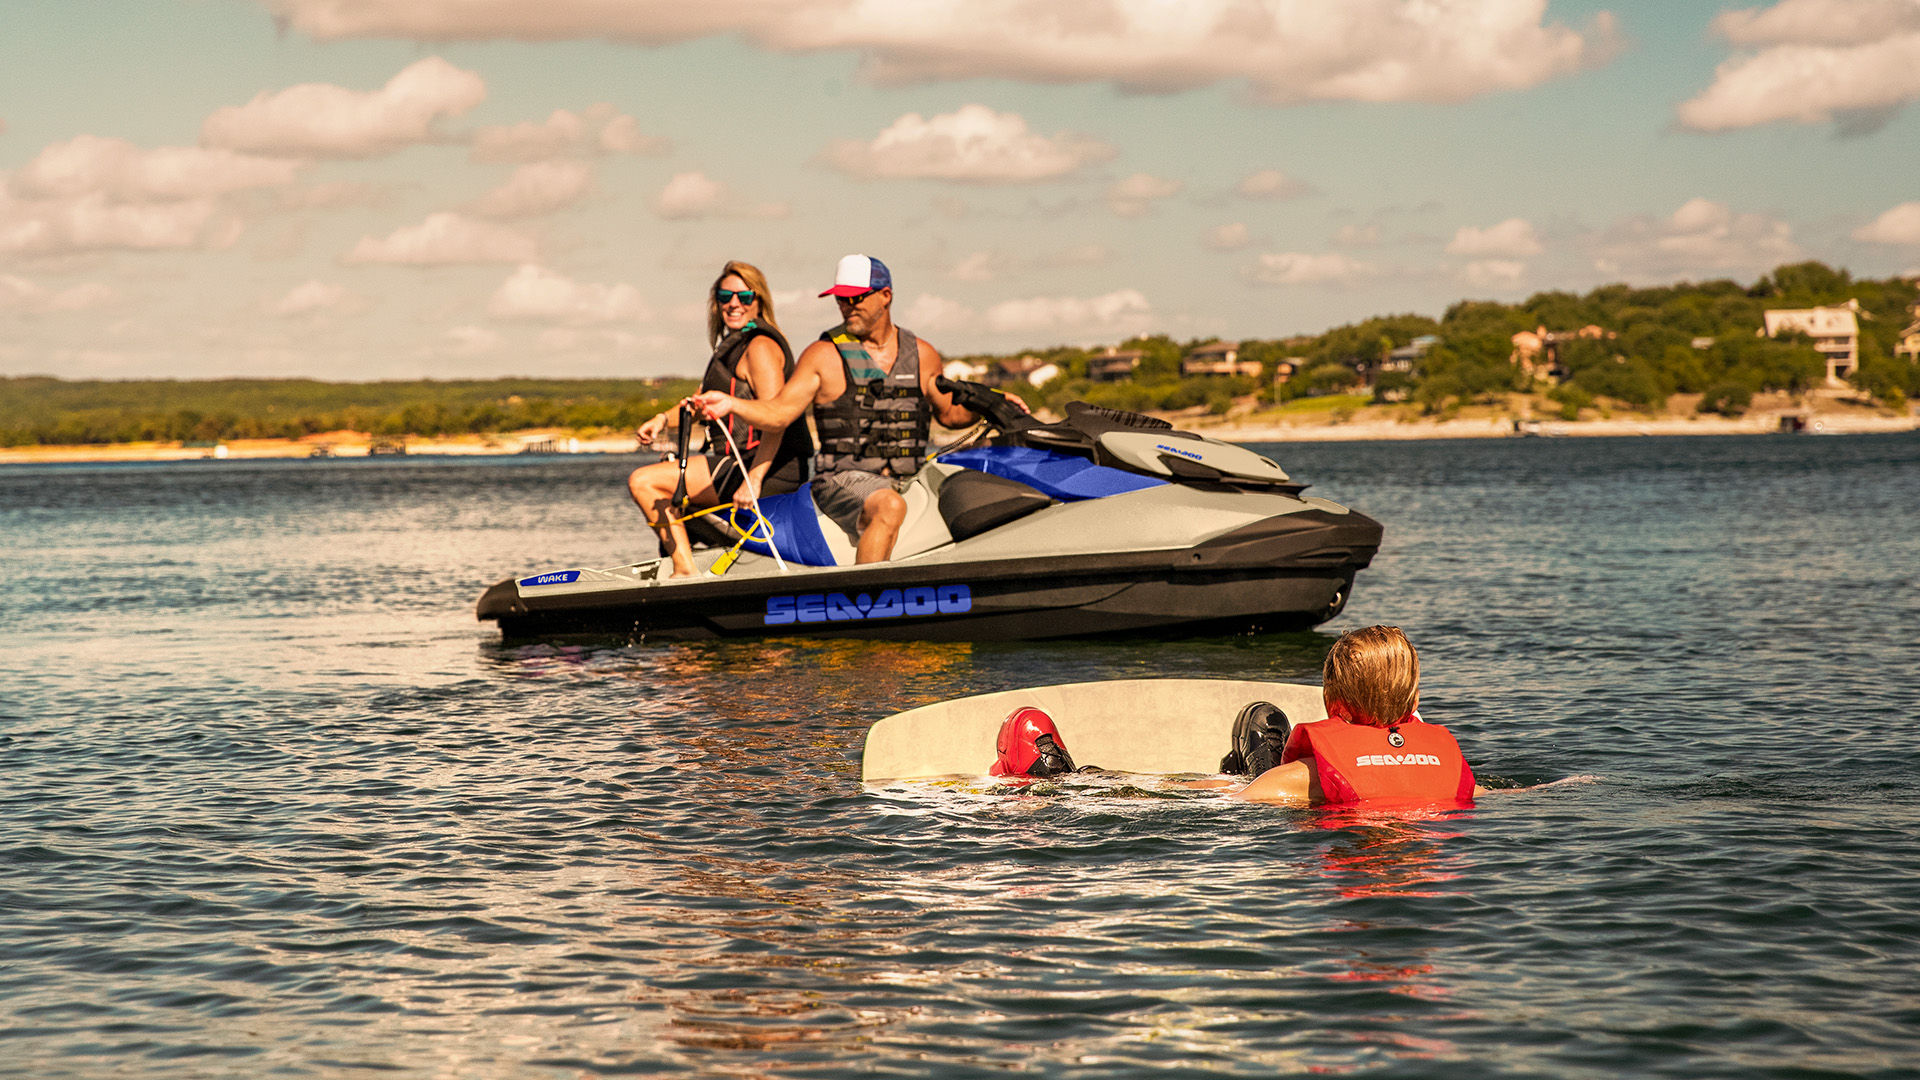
<point x="1835" y="332"/>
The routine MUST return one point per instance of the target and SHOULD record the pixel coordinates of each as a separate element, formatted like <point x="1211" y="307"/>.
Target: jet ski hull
<point x="1285" y="572"/>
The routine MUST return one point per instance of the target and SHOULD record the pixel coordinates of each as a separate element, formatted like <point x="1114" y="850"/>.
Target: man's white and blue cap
<point x="858" y="274"/>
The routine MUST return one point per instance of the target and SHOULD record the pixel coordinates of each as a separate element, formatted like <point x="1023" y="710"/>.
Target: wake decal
<point x="889" y="604"/>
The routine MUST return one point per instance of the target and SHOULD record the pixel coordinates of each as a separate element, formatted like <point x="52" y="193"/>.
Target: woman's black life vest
<point x="882" y="422"/>
<point x="796" y="446"/>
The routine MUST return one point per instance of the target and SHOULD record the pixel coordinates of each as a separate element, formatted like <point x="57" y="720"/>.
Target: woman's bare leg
<point x="652" y="488"/>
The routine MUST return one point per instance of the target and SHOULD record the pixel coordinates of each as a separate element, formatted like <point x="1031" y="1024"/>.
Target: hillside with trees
<point x="1652" y="343"/>
<point x="57" y="411"/>
<point x="1617" y="347"/>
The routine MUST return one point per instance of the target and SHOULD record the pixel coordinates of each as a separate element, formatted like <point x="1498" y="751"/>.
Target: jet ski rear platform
<point x="1108" y="524"/>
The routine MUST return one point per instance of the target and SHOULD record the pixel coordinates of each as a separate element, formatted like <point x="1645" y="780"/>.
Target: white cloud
<point x="559" y="339"/>
<point x="1283" y="50"/>
<point x="691" y="195"/>
<point x="1357" y="236"/>
<point x="99" y="194"/>
<point x="535" y="293"/>
<point x="446" y="239"/>
<point x="1227" y="237"/>
<point x="994" y="265"/>
<point x="333" y="196"/>
<point x="20" y="295"/>
<point x="1271" y="184"/>
<point x="1303" y="268"/>
<point x="93" y="222"/>
<point x="472" y="340"/>
<point x="1494" y="273"/>
<point x="1136" y="194"/>
<point x="314" y="297"/>
<point x="89" y="164"/>
<point x="973" y="144"/>
<point x="1067" y="314"/>
<point x="541" y="187"/>
<point x="936" y="314"/>
<point x="597" y="129"/>
<point x="1701" y="237"/>
<point x="1077" y="255"/>
<point x="1818" y="22"/>
<point x="1900" y="225"/>
<point x="320" y="120"/>
<point x="979" y="266"/>
<point x="1855" y="62"/>
<point x="1512" y="238"/>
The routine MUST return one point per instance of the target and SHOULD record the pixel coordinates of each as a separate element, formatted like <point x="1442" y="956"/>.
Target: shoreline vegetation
<point x="1343" y="418"/>
<point x="1683" y="359"/>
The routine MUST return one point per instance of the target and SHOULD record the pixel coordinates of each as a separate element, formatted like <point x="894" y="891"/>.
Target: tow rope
<point x="681" y="498"/>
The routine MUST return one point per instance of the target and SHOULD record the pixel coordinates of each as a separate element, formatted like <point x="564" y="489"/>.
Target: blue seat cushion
<point x="796" y="529"/>
<point x="1060" y="476"/>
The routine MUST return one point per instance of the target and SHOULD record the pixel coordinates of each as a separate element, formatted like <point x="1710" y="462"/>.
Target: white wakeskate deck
<point x="1126" y="725"/>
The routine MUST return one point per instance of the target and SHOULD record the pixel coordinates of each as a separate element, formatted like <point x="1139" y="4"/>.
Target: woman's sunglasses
<point x="723" y="297"/>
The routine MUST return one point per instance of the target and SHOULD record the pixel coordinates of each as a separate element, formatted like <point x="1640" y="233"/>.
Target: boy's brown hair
<point x="1375" y="672"/>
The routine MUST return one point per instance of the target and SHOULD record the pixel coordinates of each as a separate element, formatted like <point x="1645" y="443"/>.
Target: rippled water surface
<point x="272" y="803"/>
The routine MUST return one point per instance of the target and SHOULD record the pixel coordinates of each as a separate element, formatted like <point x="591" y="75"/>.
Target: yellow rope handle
<point x="725" y="562"/>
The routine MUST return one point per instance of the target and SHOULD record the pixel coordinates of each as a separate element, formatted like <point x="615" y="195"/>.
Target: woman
<point x="751" y="359"/>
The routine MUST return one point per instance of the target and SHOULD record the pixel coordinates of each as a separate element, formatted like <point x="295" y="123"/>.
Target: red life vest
<point x="1356" y="763"/>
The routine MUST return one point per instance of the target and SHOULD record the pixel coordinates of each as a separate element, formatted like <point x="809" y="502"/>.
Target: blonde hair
<point x="756" y="281"/>
<point x="1375" y="672"/>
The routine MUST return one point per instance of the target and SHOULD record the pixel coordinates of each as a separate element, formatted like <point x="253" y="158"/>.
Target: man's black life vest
<point x="722" y="374"/>
<point x="882" y="423"/>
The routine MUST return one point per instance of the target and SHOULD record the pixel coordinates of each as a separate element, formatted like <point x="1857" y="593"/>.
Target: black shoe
<point x="1053" y="760"/>
<point x="1259" y="735"/>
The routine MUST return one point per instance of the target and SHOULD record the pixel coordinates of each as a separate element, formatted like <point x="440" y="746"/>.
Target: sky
<point x="380" y="189"/>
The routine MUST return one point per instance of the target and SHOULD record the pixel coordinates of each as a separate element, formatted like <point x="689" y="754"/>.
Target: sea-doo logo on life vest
<point x="558" y="577"/>
<point x="1396" y="759"/>
<point x="1176" y="450"/>
<point x="890" y="604"/>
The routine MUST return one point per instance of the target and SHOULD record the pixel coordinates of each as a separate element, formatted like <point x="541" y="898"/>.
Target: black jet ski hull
<point x="1287" y="572"/>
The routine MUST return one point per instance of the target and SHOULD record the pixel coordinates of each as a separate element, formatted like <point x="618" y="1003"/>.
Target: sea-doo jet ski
<point x="1107" y="523"/>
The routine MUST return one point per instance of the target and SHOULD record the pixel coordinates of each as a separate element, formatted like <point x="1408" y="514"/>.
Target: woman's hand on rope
<point x="744" y="496"/>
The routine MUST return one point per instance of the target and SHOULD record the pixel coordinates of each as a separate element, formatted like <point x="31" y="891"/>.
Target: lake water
<point x="273" y="803"/>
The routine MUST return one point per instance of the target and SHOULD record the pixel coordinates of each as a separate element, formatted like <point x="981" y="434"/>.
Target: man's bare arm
<point x="780" y="410"/>
<point x="949" y="414"/>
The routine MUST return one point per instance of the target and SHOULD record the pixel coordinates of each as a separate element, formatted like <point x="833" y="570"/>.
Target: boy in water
<point x="1373" y="746"/>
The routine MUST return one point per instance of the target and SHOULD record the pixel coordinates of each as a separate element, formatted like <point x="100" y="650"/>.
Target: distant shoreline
<point x="1829" y="415"/>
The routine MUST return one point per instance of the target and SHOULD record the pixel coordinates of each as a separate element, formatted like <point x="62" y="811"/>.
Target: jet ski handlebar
<point x="989" y="403"/>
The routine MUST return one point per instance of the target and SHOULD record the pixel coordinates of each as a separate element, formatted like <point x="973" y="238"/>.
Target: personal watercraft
<point x="1107" y="523"/>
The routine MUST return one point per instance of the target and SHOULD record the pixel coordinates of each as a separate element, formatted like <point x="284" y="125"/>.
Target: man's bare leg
<point x="880" y="519"/>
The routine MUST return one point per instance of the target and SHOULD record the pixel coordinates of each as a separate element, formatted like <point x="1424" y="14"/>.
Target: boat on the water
<point x="1108" y="523"/>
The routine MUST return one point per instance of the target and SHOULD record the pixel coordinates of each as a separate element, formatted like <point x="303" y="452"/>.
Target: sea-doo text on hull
<point x="1108" y="523"/>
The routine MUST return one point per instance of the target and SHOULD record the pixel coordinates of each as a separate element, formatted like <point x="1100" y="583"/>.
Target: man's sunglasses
<point x="723" y="297"/>
<point x="854" y="301"/>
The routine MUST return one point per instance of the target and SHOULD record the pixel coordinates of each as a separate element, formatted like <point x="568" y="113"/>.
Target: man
<point x="870" y="384"/>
